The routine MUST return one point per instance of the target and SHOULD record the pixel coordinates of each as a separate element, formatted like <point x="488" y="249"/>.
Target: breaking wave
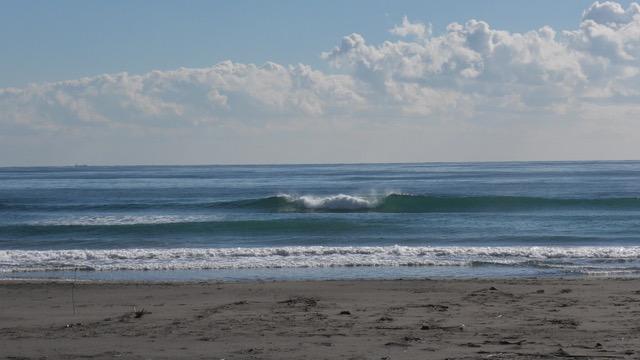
<point x="407" y="203"/>
<point x="571" y="259"/>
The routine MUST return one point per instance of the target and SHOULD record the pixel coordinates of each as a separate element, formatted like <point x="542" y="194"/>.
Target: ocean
<point x="503" y="219"/>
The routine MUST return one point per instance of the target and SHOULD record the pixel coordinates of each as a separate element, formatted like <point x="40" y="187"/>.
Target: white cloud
<point x="611" y="13"/>
<point x="411" y="29"/>
<point x="502" y="71"/>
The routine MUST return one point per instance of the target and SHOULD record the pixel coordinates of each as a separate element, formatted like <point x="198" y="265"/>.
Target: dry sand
<point x="410" y="319"/>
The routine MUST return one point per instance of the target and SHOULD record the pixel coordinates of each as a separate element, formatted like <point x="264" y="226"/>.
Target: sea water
<point x="321" y="221"/>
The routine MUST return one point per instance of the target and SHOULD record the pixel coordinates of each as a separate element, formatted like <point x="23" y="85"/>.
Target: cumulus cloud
<point x="469" y="71"/>
<point x="541" y="70"/>
<point x="408" y="28"/>
<point x="611" y="13"/>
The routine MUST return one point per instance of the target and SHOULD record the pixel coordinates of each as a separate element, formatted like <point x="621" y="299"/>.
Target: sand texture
<point x="401" y="319"/>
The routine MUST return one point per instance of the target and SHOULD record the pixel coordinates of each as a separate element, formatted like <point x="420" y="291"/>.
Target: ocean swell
<point x="388" y="203"/>
<point x="407" y="203"/>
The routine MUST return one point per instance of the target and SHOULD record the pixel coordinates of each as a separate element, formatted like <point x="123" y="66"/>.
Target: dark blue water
<point x="519" y="218"/>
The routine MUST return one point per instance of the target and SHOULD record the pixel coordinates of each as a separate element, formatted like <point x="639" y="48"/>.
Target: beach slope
<point x="395" y="319"/>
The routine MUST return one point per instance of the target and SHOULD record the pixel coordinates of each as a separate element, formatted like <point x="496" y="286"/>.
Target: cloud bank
<point x="469" y="72"/>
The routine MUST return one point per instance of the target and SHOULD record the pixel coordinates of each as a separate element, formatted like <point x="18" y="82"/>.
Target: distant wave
<point x="406" y="203"/>
<point x="286" y="202"/>
<point x="115" y="220"/>
<point x="104" y="227"/>
<point x="389" y="203"/>
<point x="572" y="259"/>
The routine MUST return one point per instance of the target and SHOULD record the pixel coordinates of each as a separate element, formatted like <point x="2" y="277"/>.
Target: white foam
<point x="333" y="202"/>
<point x="569" y="258"/>
<point x="124" y="220"/>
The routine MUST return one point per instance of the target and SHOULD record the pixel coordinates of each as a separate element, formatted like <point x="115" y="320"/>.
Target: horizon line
<point x="82" y="165"/>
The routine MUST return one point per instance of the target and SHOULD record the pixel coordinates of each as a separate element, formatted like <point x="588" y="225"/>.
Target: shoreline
<point x="255" y="281"/>
<point x="516" y="318"/>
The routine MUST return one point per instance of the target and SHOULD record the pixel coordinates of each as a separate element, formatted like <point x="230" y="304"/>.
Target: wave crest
<point x="332" y="202"/>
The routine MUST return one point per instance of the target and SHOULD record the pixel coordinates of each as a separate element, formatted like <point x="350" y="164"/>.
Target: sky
<point x="236" y="82"/>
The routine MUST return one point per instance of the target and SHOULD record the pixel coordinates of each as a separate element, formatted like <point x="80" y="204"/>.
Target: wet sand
<point x="395" y="319"/>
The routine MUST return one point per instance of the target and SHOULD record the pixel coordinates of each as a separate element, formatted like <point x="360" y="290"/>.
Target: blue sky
<point x="136" y="82"/>
<point x="60" y="40"/>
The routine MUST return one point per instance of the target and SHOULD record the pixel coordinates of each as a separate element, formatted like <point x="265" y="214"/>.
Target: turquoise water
<point x="322" y="221"/>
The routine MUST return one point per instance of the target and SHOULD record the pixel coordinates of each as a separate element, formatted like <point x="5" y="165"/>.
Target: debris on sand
<point x="139" y="313"/>
<point x="300" y="300"/>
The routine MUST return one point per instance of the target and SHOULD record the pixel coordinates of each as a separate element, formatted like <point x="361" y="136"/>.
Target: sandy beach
<point x="395" y="319"/>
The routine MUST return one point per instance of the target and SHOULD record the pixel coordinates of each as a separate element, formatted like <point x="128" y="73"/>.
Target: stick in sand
<point x="73" y="292"/>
